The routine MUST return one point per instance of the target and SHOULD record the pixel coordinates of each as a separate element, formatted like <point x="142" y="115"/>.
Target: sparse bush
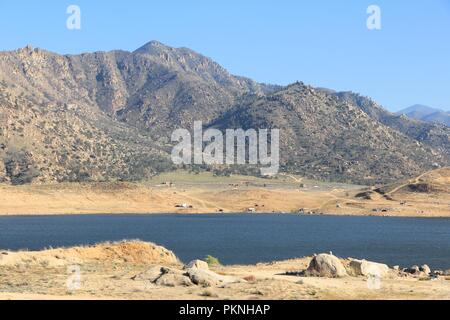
<point x="212" y="261"/>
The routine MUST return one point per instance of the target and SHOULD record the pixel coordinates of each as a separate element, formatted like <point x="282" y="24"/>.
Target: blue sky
<point x="323" y="42"/>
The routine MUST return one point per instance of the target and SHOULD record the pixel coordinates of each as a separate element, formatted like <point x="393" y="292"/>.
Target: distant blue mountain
<point x="428" y="114"/>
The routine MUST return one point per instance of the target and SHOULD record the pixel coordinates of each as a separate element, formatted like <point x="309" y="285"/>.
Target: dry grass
<point x="134" y="252"/>
<point x="109" y="275"/>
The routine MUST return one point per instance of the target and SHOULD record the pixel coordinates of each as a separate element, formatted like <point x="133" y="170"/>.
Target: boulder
<point x="195" y="274"/>
<point x="326" y="265"/>
<point x="425" y="269"/>
<point x="207" y="278"/>
<point x="197" y="264"/>
<point x="367" y="268"/>
<point x="164" y="276"/>
<point x="173" y="280"/>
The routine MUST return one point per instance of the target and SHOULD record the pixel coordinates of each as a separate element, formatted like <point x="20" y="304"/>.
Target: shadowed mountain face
<point x="334" y="136"/>
<point x="430" y="134"/>
<point x="110" y="115"/>
<point x="424" y="113"/>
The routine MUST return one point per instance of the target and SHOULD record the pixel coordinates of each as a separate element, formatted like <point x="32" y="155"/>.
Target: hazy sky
<point x="322" y="43"/>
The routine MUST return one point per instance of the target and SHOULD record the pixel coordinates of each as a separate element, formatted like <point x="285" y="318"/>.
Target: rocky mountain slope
<point x="153" y="87"/>
<point x="109" y="116"/>
<point x="431" y="134"/>
<point x="63" y="142"/>
<point x="326" y="136"/>
<point x="105" y="115"/>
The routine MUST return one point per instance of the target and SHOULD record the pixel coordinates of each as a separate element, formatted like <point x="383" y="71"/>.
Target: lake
<point x="245" y="238"/>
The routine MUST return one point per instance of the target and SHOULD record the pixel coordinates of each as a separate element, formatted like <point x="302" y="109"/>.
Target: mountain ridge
<point x="134" y="100"/>
<point x="427" y="114"/>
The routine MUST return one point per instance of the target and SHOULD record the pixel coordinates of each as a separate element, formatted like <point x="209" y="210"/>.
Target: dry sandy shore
<point x="425" y="196"/>
<point x="121" y="271"/>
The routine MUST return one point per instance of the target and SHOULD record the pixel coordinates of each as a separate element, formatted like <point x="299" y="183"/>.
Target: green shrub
<point x="212" y="261"/>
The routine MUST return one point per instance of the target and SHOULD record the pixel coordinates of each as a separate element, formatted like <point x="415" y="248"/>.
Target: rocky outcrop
<point x="194" y="273"/>
<point x="326" y="265"/>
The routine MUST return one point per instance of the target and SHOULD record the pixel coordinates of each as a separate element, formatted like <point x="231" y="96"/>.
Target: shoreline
<point x="369" y="215"/>
<point x="185" y="193"/>
<point x="145" y="271"/>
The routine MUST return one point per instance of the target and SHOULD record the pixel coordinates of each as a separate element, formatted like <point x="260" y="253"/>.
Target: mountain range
<point x="428" y="114"/>
<point x="106" y="116"/>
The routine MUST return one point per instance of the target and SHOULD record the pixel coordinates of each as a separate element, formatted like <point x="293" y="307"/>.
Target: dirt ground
<point x="107" y="272"/>
<point x="207" y="194"/>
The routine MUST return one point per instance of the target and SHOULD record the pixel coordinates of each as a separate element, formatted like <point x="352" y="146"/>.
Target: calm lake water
<point x="245" y="239"/>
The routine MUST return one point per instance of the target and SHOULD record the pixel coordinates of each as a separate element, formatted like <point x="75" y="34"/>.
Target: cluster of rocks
<point x="184" y="206"/>
<point x="304" y="211"/>
<point x="329" y="266"/>
<point x="422" y="271"/>
<point x="416" y="270"/>
<point x="195" y="272"/>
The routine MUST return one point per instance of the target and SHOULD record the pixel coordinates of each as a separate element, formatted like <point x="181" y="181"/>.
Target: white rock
<point x="368" y="268"/>
<point x="425" y="268"/>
